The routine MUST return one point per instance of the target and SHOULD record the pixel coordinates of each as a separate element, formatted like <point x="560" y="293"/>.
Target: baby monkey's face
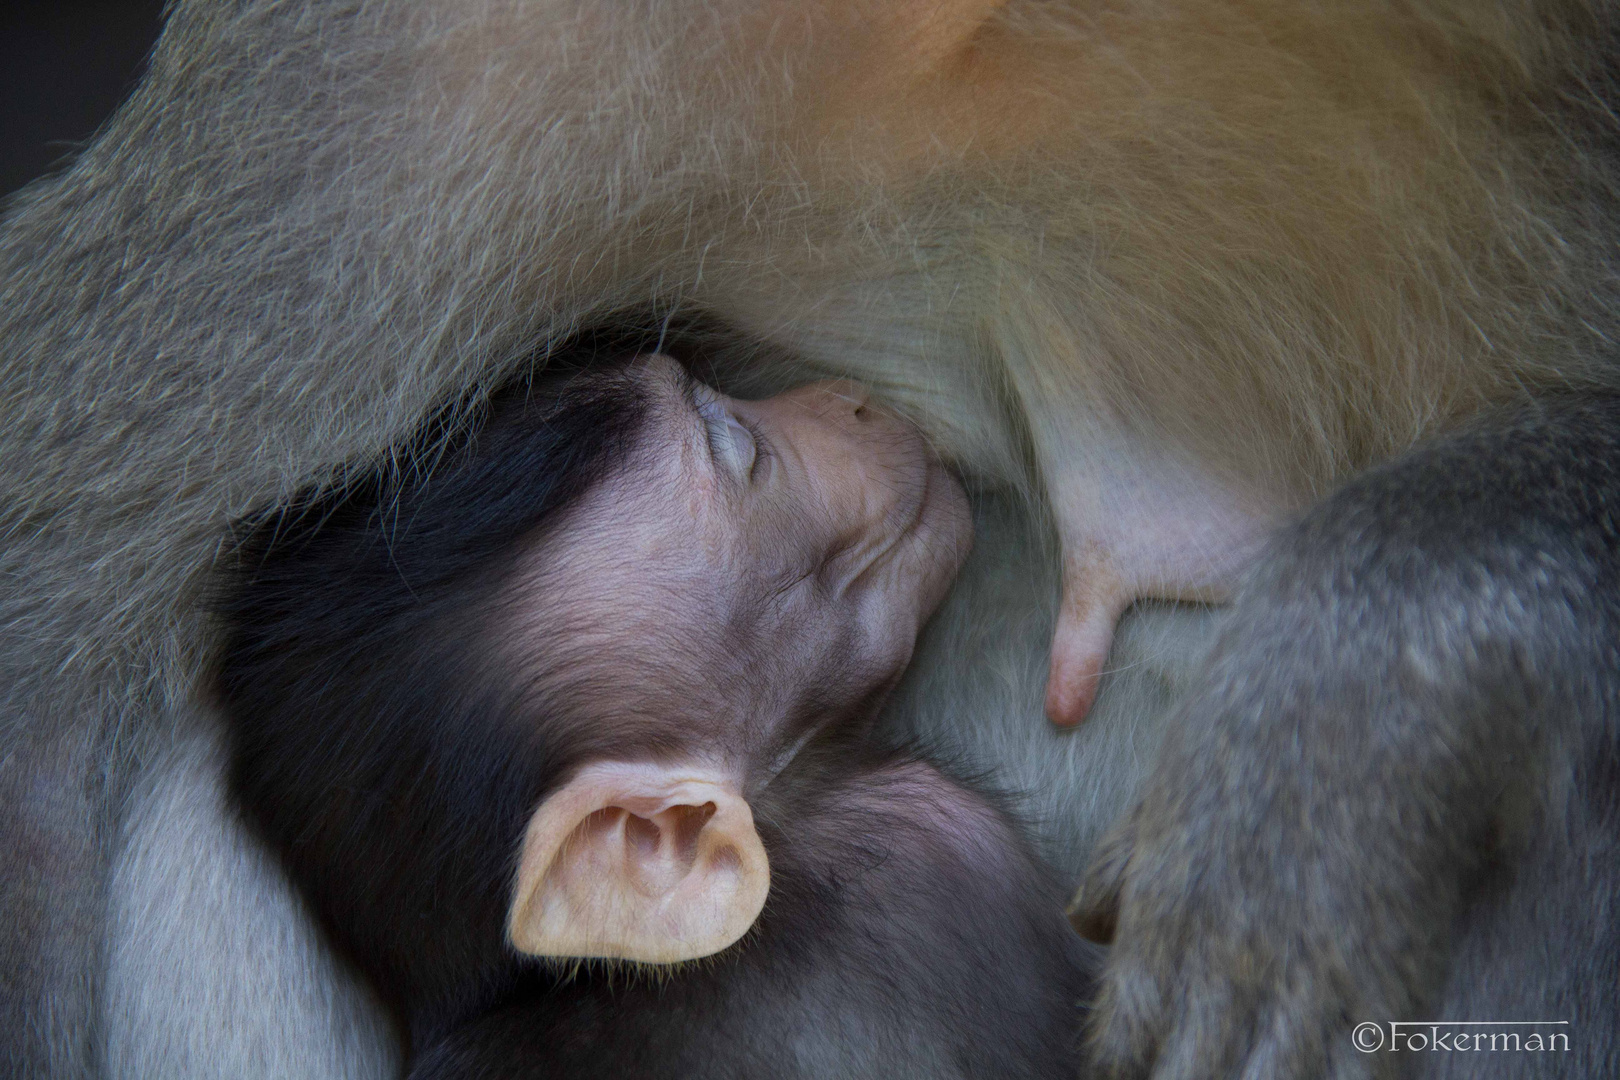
<point x="759" y="567"/>
<point x="750" y="573"/>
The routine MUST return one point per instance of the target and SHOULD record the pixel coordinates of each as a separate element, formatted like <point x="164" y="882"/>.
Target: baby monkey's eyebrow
<point x="689" y="388"/>
<point x="689" y="391"/>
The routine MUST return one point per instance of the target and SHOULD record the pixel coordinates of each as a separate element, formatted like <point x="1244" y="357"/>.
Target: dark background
<point x="64" y="67"/>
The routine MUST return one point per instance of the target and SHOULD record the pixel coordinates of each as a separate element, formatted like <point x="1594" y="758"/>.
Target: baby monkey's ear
<point x="639" y="861"/>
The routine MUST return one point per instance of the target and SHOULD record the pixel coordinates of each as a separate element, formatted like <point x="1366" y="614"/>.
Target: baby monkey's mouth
<point x="942" y="529"/>
<point x="927" y="528"/>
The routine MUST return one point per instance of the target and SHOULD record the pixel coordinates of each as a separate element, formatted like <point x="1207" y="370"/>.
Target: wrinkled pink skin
<point x="758" y="570"/>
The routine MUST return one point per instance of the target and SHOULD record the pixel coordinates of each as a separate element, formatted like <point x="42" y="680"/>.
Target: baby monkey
<point x="567" y="743"/>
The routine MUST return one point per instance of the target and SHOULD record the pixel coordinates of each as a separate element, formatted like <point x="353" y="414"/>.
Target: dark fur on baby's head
<point x="383" y="749"/>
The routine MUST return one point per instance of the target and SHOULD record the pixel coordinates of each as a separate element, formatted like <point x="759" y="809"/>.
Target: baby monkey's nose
<point x="853" y="395"/>
<point x="848" y="406"/>
<point x="838" y="399"/>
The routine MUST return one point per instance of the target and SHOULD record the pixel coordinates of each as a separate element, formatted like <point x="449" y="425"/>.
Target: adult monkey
<point x="1173" y="268"/>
